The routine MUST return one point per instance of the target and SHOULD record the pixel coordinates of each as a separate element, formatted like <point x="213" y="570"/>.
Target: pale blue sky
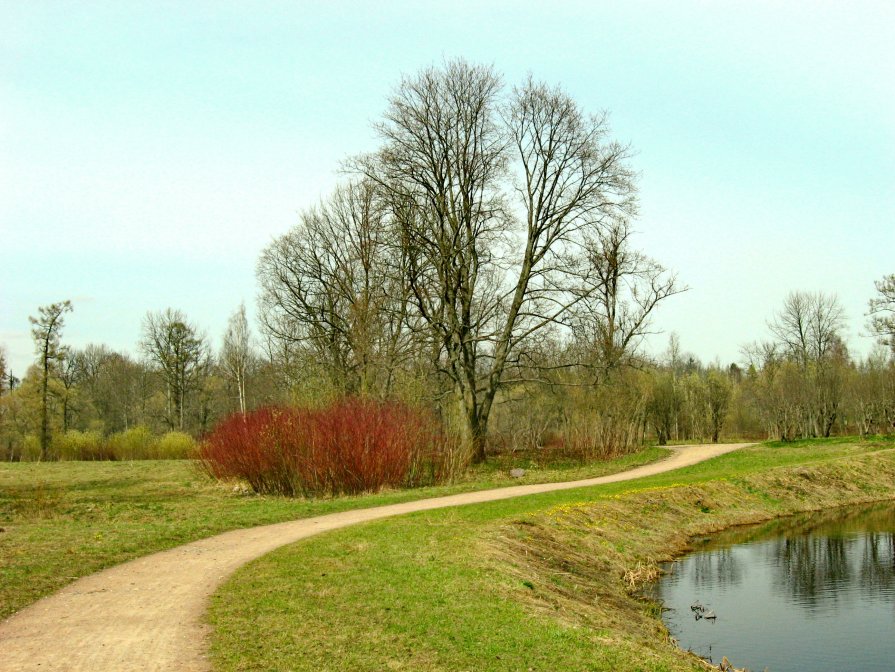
<point x="149" y="151"/>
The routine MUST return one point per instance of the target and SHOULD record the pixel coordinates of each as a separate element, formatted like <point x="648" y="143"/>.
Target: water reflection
<point x="719" y="568"/>
<point x="812" y="555"/>
<point x="787" y="591"/>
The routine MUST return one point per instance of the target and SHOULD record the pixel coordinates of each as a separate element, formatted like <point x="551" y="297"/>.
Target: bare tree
<point x="664" y="405"/>
<point x="882" y="312"/>
<point x="47" y="331"/>
<point x="334" y="285"/>
<point x="112" y="385"/>
<point x="180" y="353"/>
<point x="614" y="318"/>
<point x="871" y="393"/>
<point x="5" y="411"/>
<point x="719" y="390"/>
<point x="495" y="198"/>
<point x="70" y="378"/>
<point x="808" y="331"/>
<point x="808" y="326"/>
<point x="236" y="353"/>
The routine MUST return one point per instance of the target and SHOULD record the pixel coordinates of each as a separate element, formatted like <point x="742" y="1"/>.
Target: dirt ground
<point x="147" y="614"/>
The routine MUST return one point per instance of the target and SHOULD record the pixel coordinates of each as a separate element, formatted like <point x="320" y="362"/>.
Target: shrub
<point x="254" y="447"/>
<point x="139" y="443"/>
<point x="350" y="446"/>
<point x="174" y="446"/>
<point x="75" y="445"/>
<point x="606" y="421"/>
<point x="30" y="448"/>
<point x="136" y="443"/>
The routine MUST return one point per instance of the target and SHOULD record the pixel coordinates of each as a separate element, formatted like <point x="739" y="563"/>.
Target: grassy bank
<point x="64" y="520"/>
<point x="538" y="583"/>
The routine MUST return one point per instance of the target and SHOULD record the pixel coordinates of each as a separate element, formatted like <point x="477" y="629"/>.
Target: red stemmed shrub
<point x="351" y="446"/>
<point x="259" y="447"/>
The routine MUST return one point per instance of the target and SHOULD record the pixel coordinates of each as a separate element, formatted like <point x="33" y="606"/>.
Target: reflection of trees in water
<point x="815" y="569"/>
<point x="814" y="556"/>
<point x="810" y="567"/>
<point x="718" y="568"/>
<point x="877" y="563"/>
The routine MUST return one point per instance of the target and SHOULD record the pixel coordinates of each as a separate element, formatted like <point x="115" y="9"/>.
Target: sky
<point x="150" y="151"/>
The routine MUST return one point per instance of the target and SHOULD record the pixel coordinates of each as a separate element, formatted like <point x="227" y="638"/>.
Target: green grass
<point x="533" y="583"/>
<point x="64" y="520"/>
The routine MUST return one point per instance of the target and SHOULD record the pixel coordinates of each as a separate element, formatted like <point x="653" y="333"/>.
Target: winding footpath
<point x="147" y="614"/>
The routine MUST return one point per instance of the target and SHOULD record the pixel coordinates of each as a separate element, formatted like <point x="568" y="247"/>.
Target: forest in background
<point x="480" y="264"/>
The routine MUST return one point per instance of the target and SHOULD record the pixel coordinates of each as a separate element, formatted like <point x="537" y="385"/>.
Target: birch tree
<point x="236" y="353"/>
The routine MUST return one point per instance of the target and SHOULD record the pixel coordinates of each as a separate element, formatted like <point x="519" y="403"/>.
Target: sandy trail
<point x="147" y="614"/>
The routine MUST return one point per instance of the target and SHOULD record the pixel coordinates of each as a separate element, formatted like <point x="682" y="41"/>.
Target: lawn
<point x="536" y="583"/>
<point x="63" y="520"/>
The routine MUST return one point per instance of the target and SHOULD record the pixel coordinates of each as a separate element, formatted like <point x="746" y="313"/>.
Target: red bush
<point x="257" y="447"/>
<point x="352" y="446"/>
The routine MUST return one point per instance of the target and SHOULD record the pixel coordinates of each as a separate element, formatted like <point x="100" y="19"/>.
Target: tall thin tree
<point x="47" y="332"/>
<point x="236" y="353"/>
<point x="3" y="369"/>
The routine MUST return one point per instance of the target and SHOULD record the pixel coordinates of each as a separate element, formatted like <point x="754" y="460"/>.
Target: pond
<point x="814" y="592"/>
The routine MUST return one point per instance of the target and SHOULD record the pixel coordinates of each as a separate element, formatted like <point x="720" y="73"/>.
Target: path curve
<point x="147" y="614"/>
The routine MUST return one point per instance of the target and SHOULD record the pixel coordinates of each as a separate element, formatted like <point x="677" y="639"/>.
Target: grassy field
<point x="64" y="520"/>
<point x="547" y="582"/>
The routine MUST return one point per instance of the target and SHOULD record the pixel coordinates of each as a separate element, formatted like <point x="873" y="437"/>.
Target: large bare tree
<point x="46" y="329"/>
<point x="495" y="196"/>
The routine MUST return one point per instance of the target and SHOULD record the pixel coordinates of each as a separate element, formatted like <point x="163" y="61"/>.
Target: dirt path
<point x="147" y="614"/>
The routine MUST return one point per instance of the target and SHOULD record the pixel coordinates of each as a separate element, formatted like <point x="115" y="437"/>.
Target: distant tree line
<point x="178" y="384"/>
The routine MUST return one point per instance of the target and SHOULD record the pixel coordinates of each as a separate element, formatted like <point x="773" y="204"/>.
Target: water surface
<point x="814" y="592"/>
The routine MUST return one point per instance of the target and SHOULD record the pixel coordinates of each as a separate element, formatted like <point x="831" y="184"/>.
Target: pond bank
<point x="585" y="564"/>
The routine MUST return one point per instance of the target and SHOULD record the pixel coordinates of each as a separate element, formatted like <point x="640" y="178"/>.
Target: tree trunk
<point x="474" y="426"/>
<point x="44" y="420"/>
<point x="241" y="387"/>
